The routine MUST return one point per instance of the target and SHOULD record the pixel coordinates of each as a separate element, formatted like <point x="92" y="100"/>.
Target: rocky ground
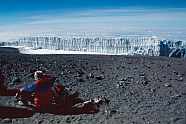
<point x="142" y="90"/>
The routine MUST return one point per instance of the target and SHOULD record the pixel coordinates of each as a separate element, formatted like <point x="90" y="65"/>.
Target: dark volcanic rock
<point x="145" y="93"/>
<point x="167" y="85"/>
<point x="100" y="77"/>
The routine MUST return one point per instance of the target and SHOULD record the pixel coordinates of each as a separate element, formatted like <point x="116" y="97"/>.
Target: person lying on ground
<point x="41" y="90"/>
<point x="55" y="97"/>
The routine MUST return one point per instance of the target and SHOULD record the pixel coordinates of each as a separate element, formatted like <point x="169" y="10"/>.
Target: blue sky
<point x="37" y="5"/>
<point x="159" y="17"/>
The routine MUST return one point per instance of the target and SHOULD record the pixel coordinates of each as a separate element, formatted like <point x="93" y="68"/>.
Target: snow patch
<point x="27" y="50"/>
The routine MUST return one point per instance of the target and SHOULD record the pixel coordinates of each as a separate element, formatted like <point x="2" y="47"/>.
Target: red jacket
<point x="43" y="94"/>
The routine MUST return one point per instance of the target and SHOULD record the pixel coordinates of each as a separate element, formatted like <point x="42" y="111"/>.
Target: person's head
<point x="38" y="75"/>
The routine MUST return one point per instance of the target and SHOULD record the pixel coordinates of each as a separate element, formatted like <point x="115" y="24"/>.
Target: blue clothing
<point x="31" y="87"/>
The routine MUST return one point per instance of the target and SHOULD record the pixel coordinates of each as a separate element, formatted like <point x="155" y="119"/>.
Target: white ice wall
<point x="128" y="45"/>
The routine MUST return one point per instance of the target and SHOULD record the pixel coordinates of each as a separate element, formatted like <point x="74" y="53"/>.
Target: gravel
<point x="142" y="90"/>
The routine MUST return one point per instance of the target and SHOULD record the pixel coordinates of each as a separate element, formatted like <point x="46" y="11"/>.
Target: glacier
<point x="128" y="45"/>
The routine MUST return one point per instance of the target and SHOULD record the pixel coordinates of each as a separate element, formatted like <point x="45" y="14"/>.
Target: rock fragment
<point x="153" y="90"/>
<point x="167" y="85"/>
<point x="69" y="119"/>
<point x="175" y="72"/>
<point x="120" y="84"/>
<point x="176" y="96"/>
<point x="145" y="82"/>
<point x="142" y="75"/>
<point x="91" y="75"/>
<point x="180" y="78"/>
<point x="124" y="79"/>
<point x="100" y="77"/>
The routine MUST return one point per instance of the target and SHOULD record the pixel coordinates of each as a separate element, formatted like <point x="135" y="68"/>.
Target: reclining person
<point x="55" y="98"/>
<point x="41" y="90"/>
